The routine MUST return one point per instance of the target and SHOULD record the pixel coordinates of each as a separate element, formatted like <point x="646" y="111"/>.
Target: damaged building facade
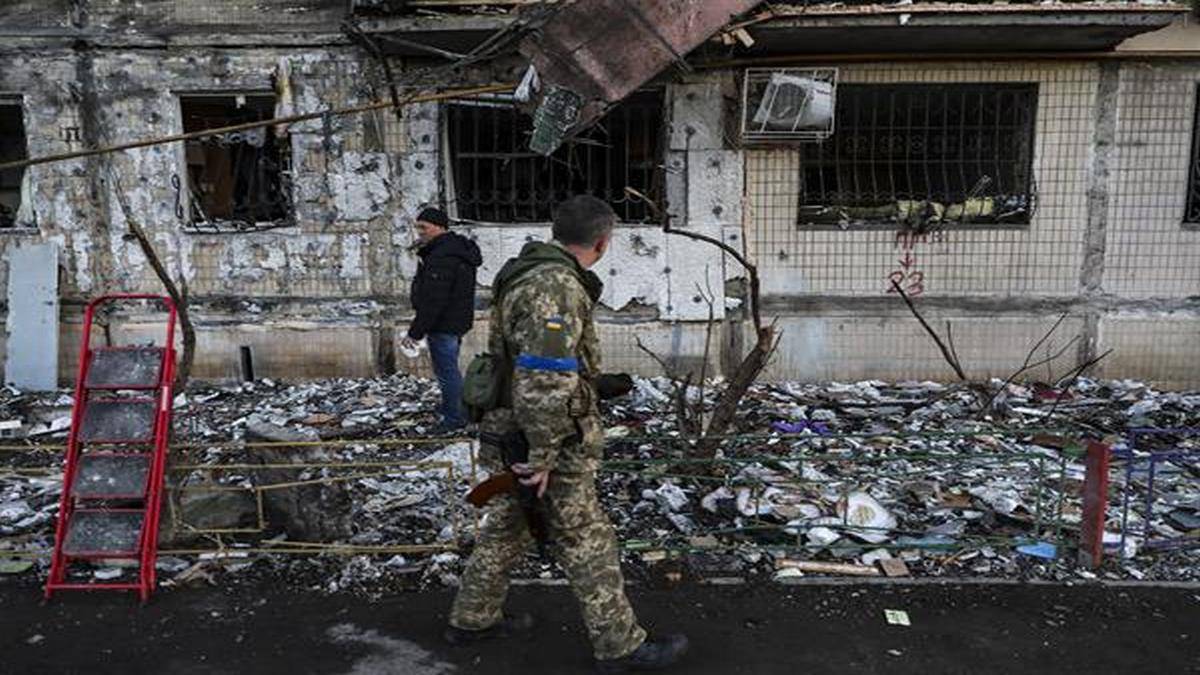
<point x="1003" y="164"/>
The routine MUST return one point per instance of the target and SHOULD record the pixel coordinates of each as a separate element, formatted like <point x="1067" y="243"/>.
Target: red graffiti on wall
<point x="909" y="275"/>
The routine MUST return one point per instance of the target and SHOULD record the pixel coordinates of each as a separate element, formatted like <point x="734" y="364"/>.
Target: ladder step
<point x="111" y="533"/>
<point x="111" y="476"/>
<point x="118" y="421"/>
<point x="124" y="368"/>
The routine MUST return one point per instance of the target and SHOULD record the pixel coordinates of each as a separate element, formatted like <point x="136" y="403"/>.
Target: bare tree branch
<point x="1027" y="366"/>
<point x="751" y="269"/>
<point x="1075" y="375"/>
<point x="946" y="353"/>
<point x="751" y="366"/>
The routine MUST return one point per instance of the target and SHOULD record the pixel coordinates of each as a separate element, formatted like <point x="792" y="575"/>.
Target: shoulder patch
<point x="554" y="338"/>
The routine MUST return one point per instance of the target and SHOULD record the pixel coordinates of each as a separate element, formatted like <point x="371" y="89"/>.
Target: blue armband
<point x="568" y="364"/>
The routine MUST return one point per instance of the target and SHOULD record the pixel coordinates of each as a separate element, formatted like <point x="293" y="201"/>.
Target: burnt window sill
<point x="238" y="227"/>
<point x="17" y="230"/>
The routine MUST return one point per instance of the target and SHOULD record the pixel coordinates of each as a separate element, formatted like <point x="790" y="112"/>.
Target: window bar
<point x="980" y="134"/>
<point x="634" y="138"/>
<point x="944" y="138"/>
<point x="656" y="142"/>
<point x="962" y="144"/>
<point x="997" y="184"/>
<point x="853" y="150"/>
<point x="454" y="120"/>
<point x="908" y="148"/>
<point x="477" y="192"/>
<point x="890" y="146"/>
<point x="874" y="136"/>
<point x="927" y="136"/>
<point x="500" y="207"/>
<point x="551" y="193"/>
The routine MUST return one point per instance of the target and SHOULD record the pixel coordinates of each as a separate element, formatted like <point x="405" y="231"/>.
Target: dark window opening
<point x="1192" y="214"/>
<point x="12" y="149"/>
<point x="497" y="179"/>
<point x="917" y="156"/>
<point x="236" y="181"/>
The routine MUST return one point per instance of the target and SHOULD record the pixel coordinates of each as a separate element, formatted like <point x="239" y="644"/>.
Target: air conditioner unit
<point x="788" y="104"/>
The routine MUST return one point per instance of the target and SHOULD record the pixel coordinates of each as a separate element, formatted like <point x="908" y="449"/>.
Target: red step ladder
<point x="116" y="455"/>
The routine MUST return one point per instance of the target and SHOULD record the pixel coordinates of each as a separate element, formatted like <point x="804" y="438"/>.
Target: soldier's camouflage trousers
<point x="584" y="544"/>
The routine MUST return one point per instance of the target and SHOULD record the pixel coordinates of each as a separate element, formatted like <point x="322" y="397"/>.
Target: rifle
<point x="514" y="449"/>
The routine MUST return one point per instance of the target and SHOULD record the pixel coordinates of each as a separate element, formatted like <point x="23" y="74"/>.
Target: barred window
<point x="495" y="178"/>
<point x="920" y="155"/>
<point x="235" y="181"/>
<point x="1192" y="214"/>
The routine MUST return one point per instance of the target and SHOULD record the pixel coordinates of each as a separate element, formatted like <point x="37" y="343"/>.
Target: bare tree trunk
<point x="751" y="365"/>
<point x="747" y="372"/>
<point x="178" y="294"/>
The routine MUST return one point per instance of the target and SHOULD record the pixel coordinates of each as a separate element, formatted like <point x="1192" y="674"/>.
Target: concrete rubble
<point x="904" y="478"/>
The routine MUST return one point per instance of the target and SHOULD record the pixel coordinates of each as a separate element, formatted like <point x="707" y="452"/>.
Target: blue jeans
<point x="443" y="350"/>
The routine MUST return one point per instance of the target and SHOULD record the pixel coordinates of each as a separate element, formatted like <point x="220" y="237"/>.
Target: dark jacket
<point x="443" y="291"/>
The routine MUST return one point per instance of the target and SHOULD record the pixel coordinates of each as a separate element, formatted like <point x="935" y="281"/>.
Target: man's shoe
<point x="651" y="655"/>
<point x="510" y="624"/>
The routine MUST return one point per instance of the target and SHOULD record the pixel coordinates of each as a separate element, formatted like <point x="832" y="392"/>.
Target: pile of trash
<point x="867" y="479"/>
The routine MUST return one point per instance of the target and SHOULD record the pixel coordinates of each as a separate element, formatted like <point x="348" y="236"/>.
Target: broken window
<point x="494" y="177"/>
<point x="1192" y="214"/>
<point x="12" y="149"/>
<point x="235" y="181"/>
<point x="923" y="155"/>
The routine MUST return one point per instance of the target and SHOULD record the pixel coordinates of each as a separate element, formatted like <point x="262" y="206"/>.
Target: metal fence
<point x="1148" y="455"/>
<point x="933" y="494"/>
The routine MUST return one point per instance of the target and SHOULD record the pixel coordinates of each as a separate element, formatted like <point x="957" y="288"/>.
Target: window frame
<point x="17" y="100"/>
<point x="1030" y="191"/>
<point x="449" y="183"/>
<point x="181" y="181"/>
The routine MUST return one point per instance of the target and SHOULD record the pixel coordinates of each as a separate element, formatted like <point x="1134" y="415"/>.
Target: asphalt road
<point x="734" y="630"/>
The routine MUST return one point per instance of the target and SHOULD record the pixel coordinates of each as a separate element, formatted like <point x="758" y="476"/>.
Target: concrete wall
<point x="327" y="296"/>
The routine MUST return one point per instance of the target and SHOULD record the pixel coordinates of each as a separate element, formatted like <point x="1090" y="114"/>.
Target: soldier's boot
<point x="653" y="654"/>
<point x="506" y="627"/>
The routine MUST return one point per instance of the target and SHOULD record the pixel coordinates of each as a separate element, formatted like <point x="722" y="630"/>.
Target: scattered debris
<point x="896" y="617"/>
<point x="1041" y="549"/>
<point x="893" y="567"/>
<point x="882" y="479"/>
<point x="9" y="566"/>
<point x="829" y="568"/>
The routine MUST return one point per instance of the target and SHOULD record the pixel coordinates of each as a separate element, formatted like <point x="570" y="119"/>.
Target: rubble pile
<point x="868" y="478"/>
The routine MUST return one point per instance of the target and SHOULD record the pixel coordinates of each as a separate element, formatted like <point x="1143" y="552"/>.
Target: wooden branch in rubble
<point x="679" y="388"/>
<point x="752" y="365"/>
<point x="946" y="353"/>
<point x="1029" y="364"/>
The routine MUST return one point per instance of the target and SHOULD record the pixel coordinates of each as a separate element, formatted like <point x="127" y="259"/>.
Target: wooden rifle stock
<point x="495" y="484"/>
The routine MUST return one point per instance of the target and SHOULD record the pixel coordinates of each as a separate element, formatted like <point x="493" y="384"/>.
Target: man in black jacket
<point x="443" y="295"/>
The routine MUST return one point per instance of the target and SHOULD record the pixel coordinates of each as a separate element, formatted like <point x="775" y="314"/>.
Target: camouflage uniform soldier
<point x="543" y="324"/>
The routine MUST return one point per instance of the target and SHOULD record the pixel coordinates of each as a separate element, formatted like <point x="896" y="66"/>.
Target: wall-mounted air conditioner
<point x="788" y="104"/>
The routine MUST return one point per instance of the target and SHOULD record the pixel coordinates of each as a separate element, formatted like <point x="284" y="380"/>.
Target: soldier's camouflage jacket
<point x="543" y="326"/>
